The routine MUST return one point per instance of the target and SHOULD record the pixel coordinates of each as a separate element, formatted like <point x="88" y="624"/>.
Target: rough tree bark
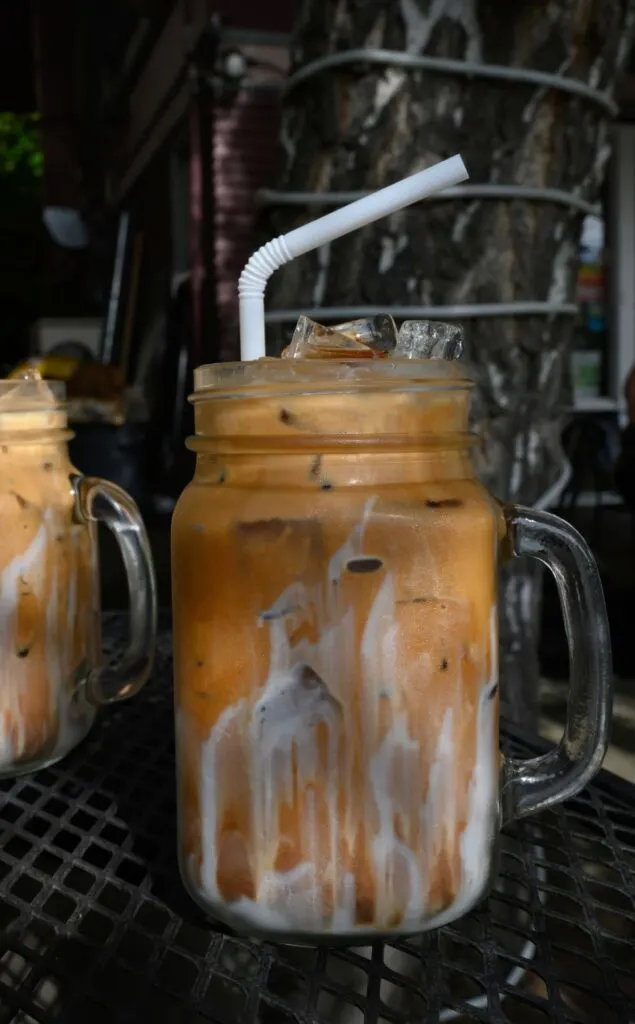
<point x="361" y="127"/>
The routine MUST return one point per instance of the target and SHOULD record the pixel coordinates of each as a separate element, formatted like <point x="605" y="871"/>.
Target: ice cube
<point x="359" y="339"/>
<point x="429" y="339"/>
<point x="377" y="332"/>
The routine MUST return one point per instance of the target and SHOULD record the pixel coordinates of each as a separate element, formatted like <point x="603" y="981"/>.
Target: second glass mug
<point x="336" y="653"/>
<point x="52" y="680"/>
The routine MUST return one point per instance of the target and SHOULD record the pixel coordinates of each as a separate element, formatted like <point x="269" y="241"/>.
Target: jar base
<point x="39" y="764"/>
<point x="224" y="917"/>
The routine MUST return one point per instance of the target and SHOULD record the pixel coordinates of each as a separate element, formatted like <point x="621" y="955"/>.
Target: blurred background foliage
<point x="21" y="160"/>
<point x="23" y="237"/>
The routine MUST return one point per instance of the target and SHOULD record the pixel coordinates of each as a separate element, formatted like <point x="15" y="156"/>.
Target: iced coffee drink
<point x="51" y="675"/>
<point x="49" y="633"/>
<point x="335" y="627"/>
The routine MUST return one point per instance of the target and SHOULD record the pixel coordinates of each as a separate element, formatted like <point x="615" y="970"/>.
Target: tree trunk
<point x="364" y="126"/>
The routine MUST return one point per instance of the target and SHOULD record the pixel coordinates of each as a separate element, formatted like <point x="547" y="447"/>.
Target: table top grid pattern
<point x="95" y="925"/>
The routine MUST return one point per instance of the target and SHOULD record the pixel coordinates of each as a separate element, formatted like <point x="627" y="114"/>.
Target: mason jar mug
<point x="335" y="570"/>
<point x="52" y="679"/>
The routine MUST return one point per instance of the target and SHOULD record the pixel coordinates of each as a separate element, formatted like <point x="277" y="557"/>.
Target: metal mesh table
<point x="96" y="928"/>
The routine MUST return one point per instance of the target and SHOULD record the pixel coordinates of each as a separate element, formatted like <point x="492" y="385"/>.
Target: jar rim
<point x="263" y="375"/>
<point x="30" y="395"/>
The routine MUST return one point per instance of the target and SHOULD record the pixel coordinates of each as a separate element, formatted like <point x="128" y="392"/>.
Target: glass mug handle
<point x="103" y="502"/>
<point x="535" y="784"/>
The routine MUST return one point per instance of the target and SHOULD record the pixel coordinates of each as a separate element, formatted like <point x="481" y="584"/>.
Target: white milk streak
<point x="393" y="762"/>
<point x="397" y="871"/>
<point x="60" y="668"/>
<point x="30" y="564"/>
<point x="308" y="684"/>
<point x="30" y="568"/>
<point x="56" y="658"/>
<point x="477" y="838"/>
<point x="211" y="792"/>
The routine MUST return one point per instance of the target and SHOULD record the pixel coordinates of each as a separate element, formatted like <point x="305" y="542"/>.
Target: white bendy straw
<point x="280" y="250"/>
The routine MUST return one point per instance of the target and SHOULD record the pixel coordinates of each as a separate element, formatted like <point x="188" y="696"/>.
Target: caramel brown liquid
<point x="49" y="627"/>
<point x="336" y="664"/>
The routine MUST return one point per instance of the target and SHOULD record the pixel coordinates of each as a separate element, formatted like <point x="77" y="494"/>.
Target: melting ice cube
<point x="378" y="332"/>
<point x="429" y="339"/>
<point x="369" y="338"/>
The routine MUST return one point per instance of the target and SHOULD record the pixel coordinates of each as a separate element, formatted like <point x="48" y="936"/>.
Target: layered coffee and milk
<point x="334" y="571"/>
<point x="48" y="622"/>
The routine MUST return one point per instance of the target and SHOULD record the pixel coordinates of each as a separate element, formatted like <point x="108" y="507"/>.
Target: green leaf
<point x="20" y="151"/>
